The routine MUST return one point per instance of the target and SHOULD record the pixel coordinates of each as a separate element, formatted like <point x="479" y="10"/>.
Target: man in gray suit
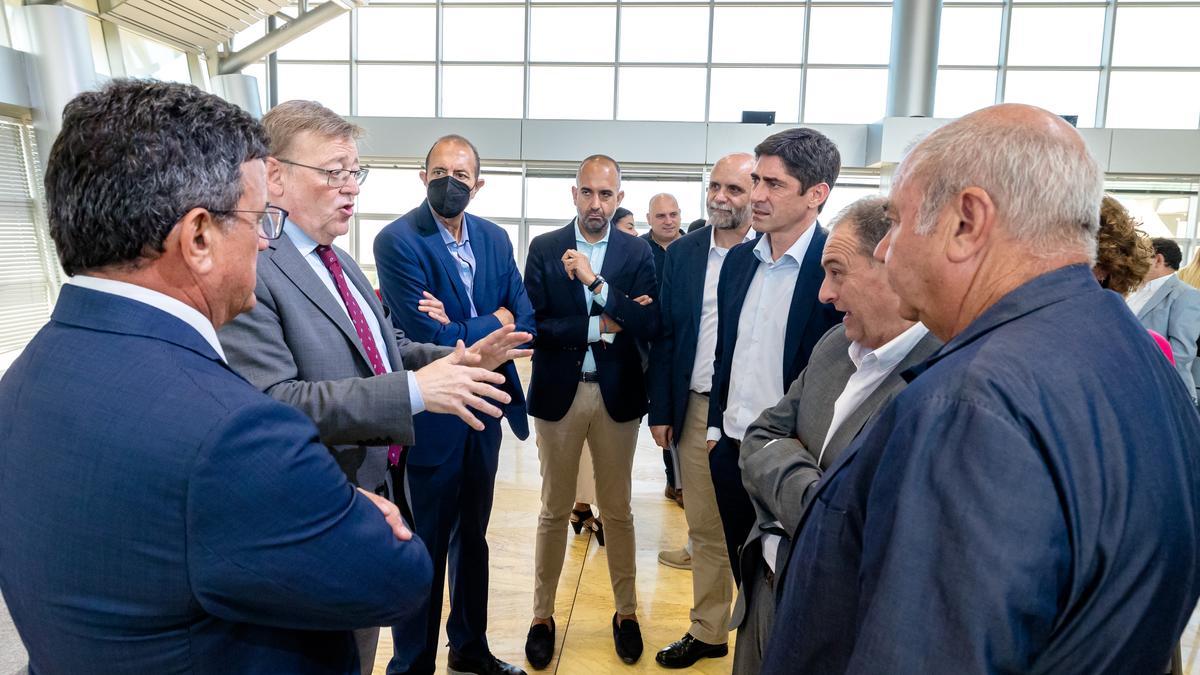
<point x="853" y="371"/>
<point x="1171" y="308"/>
<point x="318" y="337"/>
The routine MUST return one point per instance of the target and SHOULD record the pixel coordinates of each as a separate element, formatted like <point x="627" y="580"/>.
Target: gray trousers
<point x="756" y="629"/>
<point x="367" y="640"/>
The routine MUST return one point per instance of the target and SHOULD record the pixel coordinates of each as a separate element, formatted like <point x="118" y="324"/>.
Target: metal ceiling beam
<point x="273" y="41"/>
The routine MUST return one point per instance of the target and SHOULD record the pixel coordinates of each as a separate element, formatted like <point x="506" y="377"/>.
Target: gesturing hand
<point x="391" y="514"/>
<point x="499" y="347"/>
<point x="453" y="384"/>
<point x="433" y="307"/>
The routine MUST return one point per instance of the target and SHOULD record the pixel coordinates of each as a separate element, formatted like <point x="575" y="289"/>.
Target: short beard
<point x="587" y="226"/>
<point x="727" y="219"/>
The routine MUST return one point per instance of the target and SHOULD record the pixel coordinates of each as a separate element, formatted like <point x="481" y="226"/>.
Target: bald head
<point x="597" y="193"/>
<point x="1035" y="167"/>
<point x="664" y="218"/>
<point x="599" y="163"/>
<point x="728" y="196"/>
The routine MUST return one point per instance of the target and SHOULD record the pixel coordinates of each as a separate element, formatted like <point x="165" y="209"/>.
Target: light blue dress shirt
<point x="595" y="253"/>
<point x="463" y="256"/>
<point x="308" y="249"/>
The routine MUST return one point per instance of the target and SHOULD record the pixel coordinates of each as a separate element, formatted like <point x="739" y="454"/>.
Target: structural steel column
<point x="912" y="70"/>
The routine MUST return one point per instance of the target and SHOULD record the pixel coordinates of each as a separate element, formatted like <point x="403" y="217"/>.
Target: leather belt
<point x="592" y="376"/>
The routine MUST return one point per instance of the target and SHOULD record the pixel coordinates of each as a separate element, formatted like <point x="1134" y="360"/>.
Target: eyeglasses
<point x="334" y="177"/>
<point x="270" y="220"/>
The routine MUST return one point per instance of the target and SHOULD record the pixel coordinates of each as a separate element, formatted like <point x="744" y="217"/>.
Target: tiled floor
<point x="585" y="603"/>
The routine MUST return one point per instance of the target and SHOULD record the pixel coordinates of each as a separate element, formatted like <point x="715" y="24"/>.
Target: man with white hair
<point x="1015" y="509"/>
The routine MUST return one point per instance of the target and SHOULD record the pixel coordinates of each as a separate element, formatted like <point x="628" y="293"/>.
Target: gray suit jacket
<point x="1174" y="312"/>
<point x="299" y="347"/>
<point x="778" y="478"/>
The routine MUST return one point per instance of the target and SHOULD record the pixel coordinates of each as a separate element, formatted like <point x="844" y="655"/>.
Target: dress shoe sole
<point x="678" y="566"/>
<point x="715" y="653"/>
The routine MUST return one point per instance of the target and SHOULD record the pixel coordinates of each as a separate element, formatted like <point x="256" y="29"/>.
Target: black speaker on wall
<point x="758" y="117"/>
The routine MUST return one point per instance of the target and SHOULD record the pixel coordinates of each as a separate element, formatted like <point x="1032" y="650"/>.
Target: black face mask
<point x="448" y="196"/>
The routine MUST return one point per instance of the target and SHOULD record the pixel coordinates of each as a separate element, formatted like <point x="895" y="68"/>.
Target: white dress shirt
<point x="1138" y="299"/>
<point x="308" y="249"/>
<point x="756" y="373"/>
<point x="706" y="340"/>
<point x="176" y="308"/>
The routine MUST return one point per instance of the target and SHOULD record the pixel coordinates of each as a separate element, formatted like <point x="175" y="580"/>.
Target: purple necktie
<point x="332" y="264"/>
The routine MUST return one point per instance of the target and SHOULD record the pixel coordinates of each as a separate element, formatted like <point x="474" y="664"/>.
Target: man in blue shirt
<point x="1029" y="503"/>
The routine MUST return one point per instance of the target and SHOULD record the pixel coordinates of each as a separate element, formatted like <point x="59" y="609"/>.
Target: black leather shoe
<point x="687" y="651"/>
<point x="490" y="665"/>
<point x="539" y="644"/>
<point x="628" y="638"/>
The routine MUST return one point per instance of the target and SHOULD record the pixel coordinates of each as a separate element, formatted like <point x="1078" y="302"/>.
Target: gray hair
<point x="289" y="119"/>
<point x="1046" y="188"/>
<point x="868" y="216"/>
<point x="132" y="159"/>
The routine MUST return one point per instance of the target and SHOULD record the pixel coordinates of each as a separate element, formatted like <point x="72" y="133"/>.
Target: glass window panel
<point x="962" y="91"/>
<point x="538" y="230"/>
<point x="500" y="196"/>
<point x="328" y="42"/>
<point x="251" y="34"/>
<point x="327" y="84"/>
<point x="970" y="36"/>
<point x="368" y="229"/>
<point x="687" y="193"/>
<point x="670" y="94"/>
<point x="1148" y="100"/>
<point x="549" y="198"/>
<point x="574" y="93"/>
<point x="1060" y="92"/>
<point x="95" y="40"/>
<point x="738" y="89"/>
<point x="758" y="35"/>
<point x="1156" y="36"/>
<point x="1038" y="38"/>
<point x="664" y="34"/>
<point x="390" y="192"/>
<point x="483" y="33"/>
<point x="845" y="96"/>
<point x="842" y="196"/>
<point x="259" y="72"/>
<point x="850" y="35"/>
<point x="395" y="91"/>
<point x="1159" y="215"/>
<point x="573" y="34"/>
<point x="483" y="91"/>
<point x="397" y="33"/>
<point x="150" y="59"/>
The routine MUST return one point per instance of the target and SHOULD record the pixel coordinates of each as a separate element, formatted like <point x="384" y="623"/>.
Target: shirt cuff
<point x="594" y="329"/>
<point x="601" y="298"/>
<point x="714" y="434"/>
<point x="415" y="402"/>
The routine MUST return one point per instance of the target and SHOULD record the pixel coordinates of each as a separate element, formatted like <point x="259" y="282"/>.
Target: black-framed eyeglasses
<point x="270" y="220"/>
<point x="334" y="177"/>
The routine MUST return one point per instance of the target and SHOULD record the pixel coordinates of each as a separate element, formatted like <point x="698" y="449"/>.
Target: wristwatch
<point x="595" y="283"/>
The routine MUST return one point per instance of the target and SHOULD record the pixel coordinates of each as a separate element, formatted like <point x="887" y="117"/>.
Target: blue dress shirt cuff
<point x="415" y="402"/>
<point x="593" y="329"/>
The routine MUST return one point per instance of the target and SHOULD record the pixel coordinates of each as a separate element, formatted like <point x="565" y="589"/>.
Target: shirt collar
<point x="584" y="242"/>
<point x="762" y="250"/>
<point x="712" y="240"/>
<point x="176" y="308"/>
<point x="304" y="243"/>
<point x="447" y="238"/>
<point x="892" y="353"/>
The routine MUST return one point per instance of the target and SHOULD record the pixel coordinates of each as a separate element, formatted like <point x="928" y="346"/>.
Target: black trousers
<point x="733" y="503"/>
<point x="452" y="504"/>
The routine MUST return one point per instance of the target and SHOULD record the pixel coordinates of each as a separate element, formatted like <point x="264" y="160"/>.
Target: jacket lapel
<point x="808" y="284"/>
<point x="433" y="239"/>
<point x="287" y="258"/>
<point x="697" y="268"/>
<point x="1159" y="296"/>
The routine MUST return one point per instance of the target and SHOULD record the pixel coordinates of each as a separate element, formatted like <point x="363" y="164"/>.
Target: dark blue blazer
<point x="808" y="318"/>
<point x="411" y="257"/>
<point x="660" y="257"/>
<point x="161" y="515"/>
<point x="673" y="354"/>
<point x="1028" y="504"/>
<point x="562" y="325"/>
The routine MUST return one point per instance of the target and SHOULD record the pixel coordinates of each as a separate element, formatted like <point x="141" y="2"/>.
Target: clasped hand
<point x="464" y="379"/>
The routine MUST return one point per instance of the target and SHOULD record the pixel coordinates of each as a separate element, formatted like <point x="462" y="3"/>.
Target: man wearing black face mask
<point x="448" y="275"/>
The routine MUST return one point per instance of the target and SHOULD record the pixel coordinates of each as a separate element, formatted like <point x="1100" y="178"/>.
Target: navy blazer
<point x="808" y="318"/>
<point x="411" y="257"/>
<point x="562" y="325"/>
<point x="660" y="257"/>
<point x="1028" y="504"/>
<point x="673" y="355"/>
<point x="161" y="515"/>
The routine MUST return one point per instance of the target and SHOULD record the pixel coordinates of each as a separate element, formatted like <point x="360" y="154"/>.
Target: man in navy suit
<point x="439" y="253"/>
<point x="160" y="514"/>
<point x="586" y="281"/>
<point x="761" y="348"/>
<point x="681" y="366"/>
<point x="1028" y="504"/>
